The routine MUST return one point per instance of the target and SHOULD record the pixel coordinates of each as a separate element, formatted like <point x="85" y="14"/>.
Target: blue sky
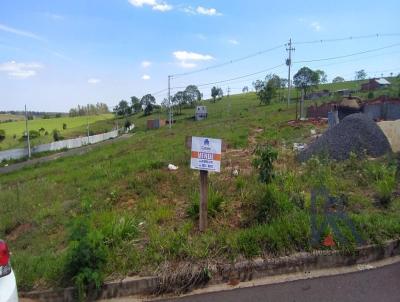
<point x="57" y="54"/>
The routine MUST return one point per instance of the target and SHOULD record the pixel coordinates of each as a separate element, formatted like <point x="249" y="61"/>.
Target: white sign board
<point x="206" y="154"/>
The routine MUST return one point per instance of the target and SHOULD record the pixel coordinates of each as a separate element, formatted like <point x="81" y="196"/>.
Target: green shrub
<point x="370" y="95"/>
<point x="56" y="135"/>
<point x="64" y="126"/>
<point x="384" y="180"/>
<point x="273" y="204"/>
<point x="266" y="155"/>
<point x="2" y="134"/>
<point x="215" y="201"/>
<point x="86" y="258"/>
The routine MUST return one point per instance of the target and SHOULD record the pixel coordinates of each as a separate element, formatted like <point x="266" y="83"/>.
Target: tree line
<point x="89" y="109"/>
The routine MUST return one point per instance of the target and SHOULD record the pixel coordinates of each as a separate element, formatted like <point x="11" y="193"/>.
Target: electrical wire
<point x="229" y="62"/>
<point x="346" y="56"/>
<point x="346" y="38"/>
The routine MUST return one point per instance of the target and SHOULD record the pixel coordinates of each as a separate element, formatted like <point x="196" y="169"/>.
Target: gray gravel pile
<point x="356" y="133"/>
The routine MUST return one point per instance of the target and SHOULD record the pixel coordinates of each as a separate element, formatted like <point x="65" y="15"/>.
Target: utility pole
<point x="229" y="91"/>
<point x="289" y="64"/>
<point x="169" y="101"/>
<point x="27" y="133"/>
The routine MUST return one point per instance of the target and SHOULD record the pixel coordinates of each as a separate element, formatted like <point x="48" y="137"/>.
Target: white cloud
<point x="154" y="4"/>
<point x="185" y="64"/>
<point x="162" y="7"/>
<point x="146" y="77"/>
<point x="316" y="26"/>
<point x="201" y="11"/>
<point x="19" y="32"/>
<point x="20" y="70"/>
<point x="183" y="55"/>
<point x="207" y="11"/>
<point x="94" y="81"/>
<point x="146" y="64"/>
<point x="233" y="42"/>
<point x="188" y="59"/>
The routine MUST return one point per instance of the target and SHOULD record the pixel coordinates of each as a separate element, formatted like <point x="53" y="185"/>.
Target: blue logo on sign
<point x="206" y="142"/>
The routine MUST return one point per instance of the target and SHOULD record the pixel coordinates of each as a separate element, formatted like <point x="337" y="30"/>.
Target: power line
<point x="346" y="56"/>
<point x="347" y="38"/>
<point x="236" y="78"/>
<point x="229" y="62"/>
<point x="377" y="35"/>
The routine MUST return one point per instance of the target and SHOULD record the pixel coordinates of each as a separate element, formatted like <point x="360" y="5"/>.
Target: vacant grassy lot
<point x="138" y="216"/>
<point x="76" y="126"/>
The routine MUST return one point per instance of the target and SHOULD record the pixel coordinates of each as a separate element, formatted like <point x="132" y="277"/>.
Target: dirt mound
<point x="356" y="133"/>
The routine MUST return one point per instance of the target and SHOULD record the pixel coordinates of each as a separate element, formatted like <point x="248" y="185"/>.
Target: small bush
<point x="56" y="135"/>
<point x="64" y="126"/>
<point x="86" y="257"/>
<point x="370" y="95"/>
<point x="273" y="204"/>
<point x="2" y="134"/>
<point x="266" y="155"/>
<point x="215" y="201"/>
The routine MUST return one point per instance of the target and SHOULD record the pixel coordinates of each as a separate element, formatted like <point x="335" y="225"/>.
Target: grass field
<point x="7" y="117"/>
<point x="76" y="126"/>
<point x="123" y="198"/>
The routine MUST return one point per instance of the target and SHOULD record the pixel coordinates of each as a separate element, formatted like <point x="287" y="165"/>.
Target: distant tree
<point x="64" y="126"/>
<point x="58" y="115"/>
<point x="269" y="89"/>
<point x="258" y="85"/>
<point x="220" y="93"/>
<point x="148" y="101"/>
<point x="123" y="109"/>
<point x="214" y="93"/>
<point x="361" y="75"/>
<point x="179" y="100"/>
<point x="338" y="80"/>
<point x="245" y="89"/>
<point x="193" y="95"/>
<point x="42" y="130"/>
<point x="323" y="78"/>
<point x="30" y="117"/>
<point x="165" y="103"/>
<point x="2" y="134"/>
<point x="135" y="105"/>
<point x="284" y="83"/>
<point x="306" y="79"/>
<point x="90" y="109"/>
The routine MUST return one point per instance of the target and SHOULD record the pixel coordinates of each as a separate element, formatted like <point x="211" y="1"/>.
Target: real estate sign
<point x="206" y="154"/>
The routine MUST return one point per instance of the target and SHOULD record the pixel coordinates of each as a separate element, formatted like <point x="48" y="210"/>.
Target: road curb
<point x="242" y="271"/>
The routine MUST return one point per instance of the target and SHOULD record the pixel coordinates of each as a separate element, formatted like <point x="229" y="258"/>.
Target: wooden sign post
<point x="205" y="156"/>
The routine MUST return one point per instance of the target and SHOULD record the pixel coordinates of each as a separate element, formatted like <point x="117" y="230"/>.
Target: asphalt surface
<point x="71" y="152"/>
<point x="376" y="285"/>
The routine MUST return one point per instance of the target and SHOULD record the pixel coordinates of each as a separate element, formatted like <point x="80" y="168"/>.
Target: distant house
<point x="375" y="84"/>
<point x="317" y="94"/>
<point x="344" y="92"/>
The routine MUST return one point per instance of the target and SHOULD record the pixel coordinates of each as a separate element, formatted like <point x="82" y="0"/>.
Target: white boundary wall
<point x="65" y="144"/>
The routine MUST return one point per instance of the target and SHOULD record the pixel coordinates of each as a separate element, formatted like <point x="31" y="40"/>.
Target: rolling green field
<point x="76" y="126"/>
<point x="120" y="206"/>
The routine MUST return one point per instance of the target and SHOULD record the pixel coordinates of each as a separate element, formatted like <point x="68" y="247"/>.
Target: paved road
<point x="377" y="285"/>
<point x="77" y="151"/>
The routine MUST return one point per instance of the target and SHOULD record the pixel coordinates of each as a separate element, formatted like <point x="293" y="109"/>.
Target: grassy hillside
<point x="122" y="200"/>
<point x="76" y="126"/>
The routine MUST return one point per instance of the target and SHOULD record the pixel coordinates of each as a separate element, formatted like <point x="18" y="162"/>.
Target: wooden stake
<point x="203" y="200"/>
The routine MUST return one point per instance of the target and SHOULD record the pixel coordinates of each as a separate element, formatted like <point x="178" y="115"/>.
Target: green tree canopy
<point x="306" y="79"/>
